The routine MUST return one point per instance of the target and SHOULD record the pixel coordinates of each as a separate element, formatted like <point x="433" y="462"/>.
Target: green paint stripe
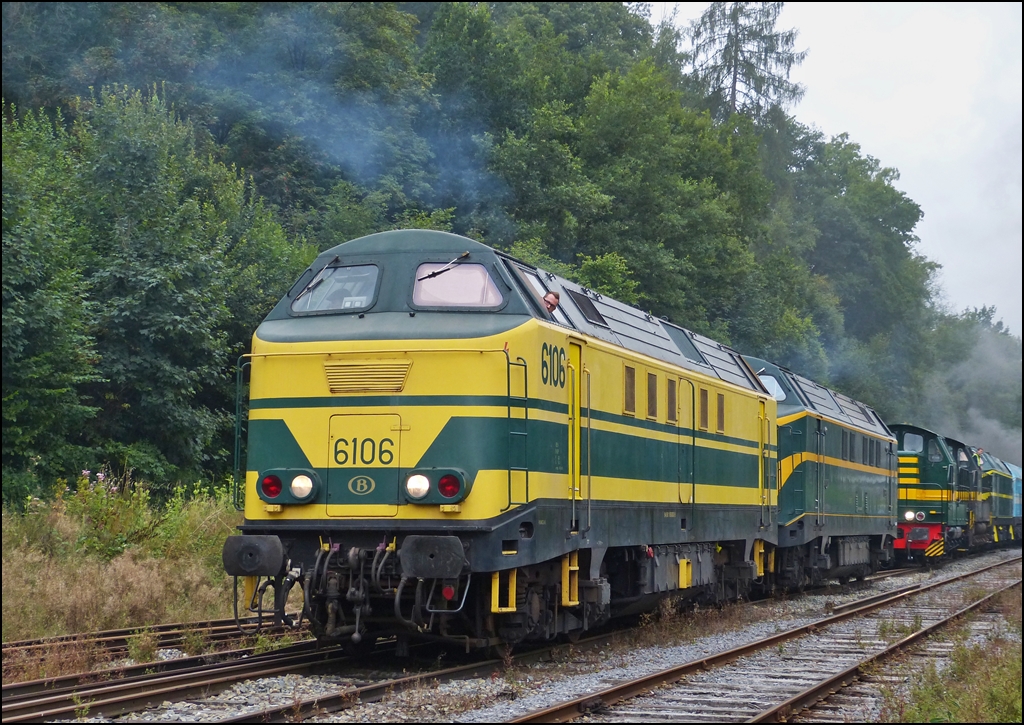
<point x="398" y="401"/>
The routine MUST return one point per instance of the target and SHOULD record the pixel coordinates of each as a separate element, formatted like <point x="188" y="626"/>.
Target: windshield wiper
<point x="315" y="282"/>
<point x="443" y="269"/>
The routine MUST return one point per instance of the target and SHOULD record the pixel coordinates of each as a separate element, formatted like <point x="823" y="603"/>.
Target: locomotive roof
<point x="800" y="394"/>
<point x="580" y="309"/>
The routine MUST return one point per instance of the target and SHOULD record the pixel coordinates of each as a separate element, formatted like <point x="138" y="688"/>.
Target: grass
<point x="980" y="682"/>
<point x="103" y="556"/>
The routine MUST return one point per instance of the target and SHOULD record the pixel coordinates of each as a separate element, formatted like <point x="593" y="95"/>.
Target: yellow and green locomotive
<point x="837" y="482"/>
<point x="432" y="451"/>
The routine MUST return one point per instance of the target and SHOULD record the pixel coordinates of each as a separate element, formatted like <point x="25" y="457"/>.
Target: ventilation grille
<point x="375" y="376"/>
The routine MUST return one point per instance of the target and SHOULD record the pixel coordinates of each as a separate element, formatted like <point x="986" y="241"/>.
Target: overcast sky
<point x="933" y="90"/>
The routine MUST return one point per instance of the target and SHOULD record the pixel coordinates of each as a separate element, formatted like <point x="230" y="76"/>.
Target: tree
<point x="47" y="350"/>
<point x="742" y="60"/>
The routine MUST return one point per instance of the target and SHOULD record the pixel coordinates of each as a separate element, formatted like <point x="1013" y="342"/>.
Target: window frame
<point x="338" y="310"/>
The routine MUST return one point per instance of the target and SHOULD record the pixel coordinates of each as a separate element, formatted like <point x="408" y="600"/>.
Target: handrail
<point x="237" y="495"/>
<point x="520" y="362"/>
<point x="574" y="462"/>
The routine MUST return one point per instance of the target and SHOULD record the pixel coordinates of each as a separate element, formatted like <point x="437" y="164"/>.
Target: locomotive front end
<point x="378" y="437"/>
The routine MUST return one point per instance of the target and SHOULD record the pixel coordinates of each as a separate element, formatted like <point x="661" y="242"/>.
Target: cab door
<point x="686" y="436"/>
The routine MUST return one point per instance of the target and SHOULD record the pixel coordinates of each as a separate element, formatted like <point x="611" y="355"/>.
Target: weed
<point x="53" y="661"/>
<point x="142" y="645"/>
<point x="262" y="642"/>
<point x="194" y="642"/>
<point x="81" y="707"/>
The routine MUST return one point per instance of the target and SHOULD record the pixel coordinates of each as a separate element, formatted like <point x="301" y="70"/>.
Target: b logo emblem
<point x="361" y="485"/>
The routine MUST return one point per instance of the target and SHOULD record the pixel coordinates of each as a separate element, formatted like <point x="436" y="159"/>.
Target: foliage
<point x="48" y="352"/>
<point x="135" y="268"/>
<point x="170" y="168"/>
<point x="981" y="683"/>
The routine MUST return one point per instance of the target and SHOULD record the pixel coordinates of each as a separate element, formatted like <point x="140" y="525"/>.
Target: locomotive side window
<point x="462" y="285"/>
<point x="703" y="409"/>
<point x="913" y="442"/>
<point x="934" y="453"/>
<point x="652" y="395"/>
<point x="534" y="279"/>
<point x="864" y="443"/>
<point x="846" y="445"/>
<point x="629" y="397"/>
<point x="349" y="289"/>
<point x="721" y="413"/>
<point x="671" y="408"/>
<point x="772" y="386"/>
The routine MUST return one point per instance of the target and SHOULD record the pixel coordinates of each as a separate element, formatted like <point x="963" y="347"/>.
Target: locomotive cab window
<point x="934" y="452"/>
<point x="345" y="289"/>
<point x="913" y="442"/>
<point x="462" y="285"/>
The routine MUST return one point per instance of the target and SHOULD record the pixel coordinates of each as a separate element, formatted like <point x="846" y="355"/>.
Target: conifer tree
<point x="742" y="60"/>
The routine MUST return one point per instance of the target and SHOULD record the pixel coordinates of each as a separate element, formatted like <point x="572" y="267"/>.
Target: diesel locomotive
<point x="432" y="452"/>
<point x="953" y="497"/>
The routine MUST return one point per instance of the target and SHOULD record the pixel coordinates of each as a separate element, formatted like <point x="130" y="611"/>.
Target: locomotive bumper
<point x="432" y="557"/>
<point x="251" y="555"/>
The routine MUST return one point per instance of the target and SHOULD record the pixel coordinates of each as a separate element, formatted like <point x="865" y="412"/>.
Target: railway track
<point x="115" y="641"/>
<point x="777" y="676"/>
<point x="140" y="691"/>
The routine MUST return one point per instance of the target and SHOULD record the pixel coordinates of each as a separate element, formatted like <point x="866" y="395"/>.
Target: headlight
<point x="302" y="486"/>
<point x="417" y="485"/>
<point x="920" y="516"/>
<point x="909" y="515"/>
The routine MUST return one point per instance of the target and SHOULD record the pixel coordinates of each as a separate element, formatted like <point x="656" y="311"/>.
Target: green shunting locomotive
<point x="953" y="497"/>
<point x="431" y="452"/>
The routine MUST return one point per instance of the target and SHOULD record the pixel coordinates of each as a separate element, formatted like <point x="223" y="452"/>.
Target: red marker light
<point x="448" y="592"/>
<point x="271" y="486"/>
<point x="449" y="486"/>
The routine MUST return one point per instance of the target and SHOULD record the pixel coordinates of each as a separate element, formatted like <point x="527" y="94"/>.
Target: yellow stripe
<point x="849" y="426"/>
<point x="910" y="469"/>
<point x="922" y="494"/>
<point x="905" y="480"/>
<point x="909" y="459"/>
<point x="790" y="463"/>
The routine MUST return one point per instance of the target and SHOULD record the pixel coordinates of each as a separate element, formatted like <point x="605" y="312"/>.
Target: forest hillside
<point x="170" y="168"/>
